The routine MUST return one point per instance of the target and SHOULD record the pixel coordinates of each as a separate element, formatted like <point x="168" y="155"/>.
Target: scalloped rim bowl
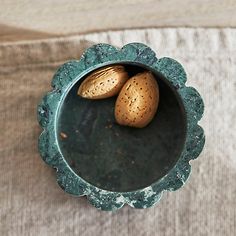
<point x="68" y="75"/>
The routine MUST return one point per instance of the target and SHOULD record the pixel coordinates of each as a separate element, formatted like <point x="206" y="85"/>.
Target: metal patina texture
<point x="115" y="165"/>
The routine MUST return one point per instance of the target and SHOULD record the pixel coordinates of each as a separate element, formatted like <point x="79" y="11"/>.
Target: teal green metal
<point x="133" y="169"/>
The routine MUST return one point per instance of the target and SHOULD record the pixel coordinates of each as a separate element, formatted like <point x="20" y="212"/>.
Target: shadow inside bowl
<point x="119" y="158"/>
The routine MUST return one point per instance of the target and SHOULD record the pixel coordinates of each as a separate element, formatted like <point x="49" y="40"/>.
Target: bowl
<point x="111" y="164"/>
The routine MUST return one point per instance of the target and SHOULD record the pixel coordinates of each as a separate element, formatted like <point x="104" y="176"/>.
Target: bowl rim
<point x="138" y="64"/>
<point x="69" y="74"/>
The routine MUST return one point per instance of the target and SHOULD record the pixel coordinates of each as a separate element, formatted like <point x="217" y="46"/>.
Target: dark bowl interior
<point x="119" y="158"/>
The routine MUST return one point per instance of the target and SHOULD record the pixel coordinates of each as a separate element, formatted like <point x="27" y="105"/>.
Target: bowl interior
<point x="119" y="158"/>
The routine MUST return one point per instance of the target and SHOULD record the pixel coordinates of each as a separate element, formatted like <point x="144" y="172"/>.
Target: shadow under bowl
<point x="119" y="158"/>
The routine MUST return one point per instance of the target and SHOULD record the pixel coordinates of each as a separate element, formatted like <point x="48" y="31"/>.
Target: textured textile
<point x="31" y="203"/>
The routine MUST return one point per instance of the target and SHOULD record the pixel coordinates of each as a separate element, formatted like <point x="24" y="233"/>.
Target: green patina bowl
<point x="113" y="165"/>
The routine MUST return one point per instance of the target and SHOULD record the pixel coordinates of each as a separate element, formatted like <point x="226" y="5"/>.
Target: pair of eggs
<point x="138" y="96"/>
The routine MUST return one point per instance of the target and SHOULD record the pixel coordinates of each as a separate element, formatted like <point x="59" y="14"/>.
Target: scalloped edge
<point x="97" y="56"/>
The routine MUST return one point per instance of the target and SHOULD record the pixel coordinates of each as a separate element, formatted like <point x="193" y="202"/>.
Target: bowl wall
<point x="119" y="158"/>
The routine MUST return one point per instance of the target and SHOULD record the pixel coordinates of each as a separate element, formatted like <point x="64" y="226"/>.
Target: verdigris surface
<point x="85" y="168"/>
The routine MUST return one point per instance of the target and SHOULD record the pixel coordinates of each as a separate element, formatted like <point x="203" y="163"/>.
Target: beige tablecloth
<point x="31" y="203"/>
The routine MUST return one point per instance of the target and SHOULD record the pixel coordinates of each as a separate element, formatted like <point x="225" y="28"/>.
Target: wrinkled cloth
<point x="31" y="202"/>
